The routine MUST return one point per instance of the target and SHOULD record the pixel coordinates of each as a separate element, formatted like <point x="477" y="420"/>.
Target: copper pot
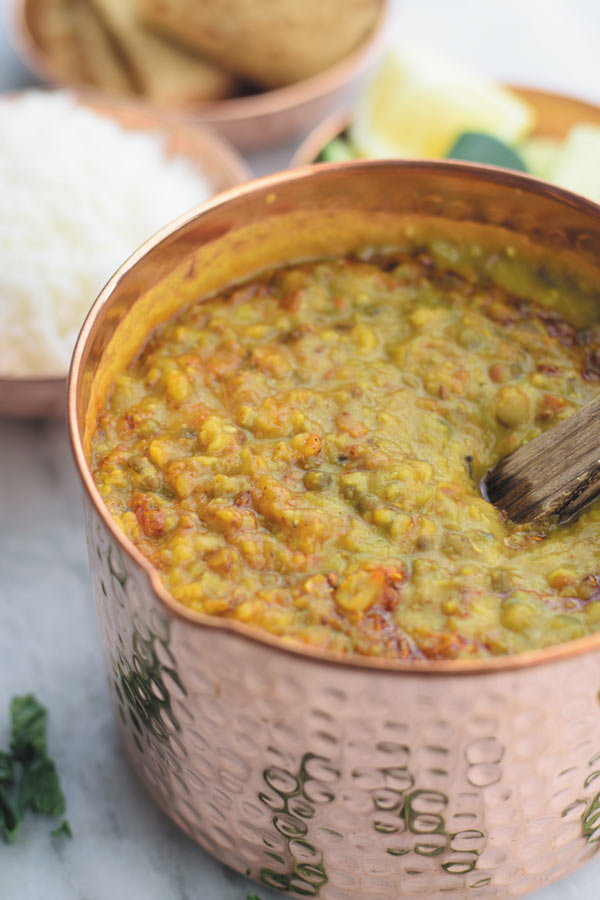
<point x="320" y="776"/>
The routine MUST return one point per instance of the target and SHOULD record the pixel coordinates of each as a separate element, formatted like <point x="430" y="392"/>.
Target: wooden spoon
<point x="555" y="474"/>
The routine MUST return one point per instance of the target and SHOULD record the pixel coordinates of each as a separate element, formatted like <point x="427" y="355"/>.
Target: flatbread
<point x="103" y="67"/>
<point x="270" y="42"/>
<point x="162" y="71"/>
<point x="51" y="23"/>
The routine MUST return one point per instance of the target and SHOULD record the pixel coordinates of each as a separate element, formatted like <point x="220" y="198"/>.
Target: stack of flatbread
<point x="186" y="51"/>
<point x="103" y="43"/>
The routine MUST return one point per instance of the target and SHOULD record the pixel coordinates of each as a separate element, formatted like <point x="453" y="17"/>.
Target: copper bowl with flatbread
<point x="259" y="71"/>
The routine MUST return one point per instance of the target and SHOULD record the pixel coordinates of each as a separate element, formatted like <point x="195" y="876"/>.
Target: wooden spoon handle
<point x="557" y="473"/>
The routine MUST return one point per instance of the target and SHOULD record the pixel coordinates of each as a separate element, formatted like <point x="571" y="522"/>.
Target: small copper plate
<point x="555" y="114"/>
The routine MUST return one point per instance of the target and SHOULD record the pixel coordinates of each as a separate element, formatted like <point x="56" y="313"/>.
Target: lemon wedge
<point x="577" y="166"/>
<point x="418" y="104"/>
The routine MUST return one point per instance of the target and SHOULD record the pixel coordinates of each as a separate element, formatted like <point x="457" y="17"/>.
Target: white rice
<point x="78" y="194"/>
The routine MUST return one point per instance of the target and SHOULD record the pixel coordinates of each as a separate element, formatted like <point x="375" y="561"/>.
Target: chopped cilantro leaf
<point x="28" y="777"/>
<point x="9" y="818"/>
<point x="28" y="739"/>
<point x="40" y="788"/>
<point x="63" y="829"/>
<point x="7" y="768"/>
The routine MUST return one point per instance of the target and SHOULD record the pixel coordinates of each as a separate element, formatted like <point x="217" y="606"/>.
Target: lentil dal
<point x="302" y="453"/>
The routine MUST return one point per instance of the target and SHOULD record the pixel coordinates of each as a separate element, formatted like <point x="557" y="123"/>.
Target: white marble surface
<point x="123" y="846"/>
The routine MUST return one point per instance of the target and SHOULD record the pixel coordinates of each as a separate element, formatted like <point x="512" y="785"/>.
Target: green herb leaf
<point x="336" y="150"/>
<point x="252" y="897"/>
<point x="7" y="768"/>
<point x="474" y="146"/>
<point x="28" y="777"/>
<point x="63" y="829"/>
<point x="28" y="739"/>
<point x="9" y="817"/>
<point x="40" y="788"/>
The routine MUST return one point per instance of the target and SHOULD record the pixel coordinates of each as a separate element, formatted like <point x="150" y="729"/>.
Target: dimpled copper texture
<point x="344" y="779"/>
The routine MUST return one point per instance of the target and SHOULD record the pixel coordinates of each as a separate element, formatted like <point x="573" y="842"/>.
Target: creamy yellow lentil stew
<point x="302" y="453"/>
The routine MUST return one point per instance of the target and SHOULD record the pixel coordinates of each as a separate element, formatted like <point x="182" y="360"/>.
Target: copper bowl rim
<point x="457" y="667"/>
<point x="336" y="122"/>
<point x="233" y="109"/>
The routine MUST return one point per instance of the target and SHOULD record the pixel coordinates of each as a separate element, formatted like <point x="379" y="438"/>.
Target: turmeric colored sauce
<point x="303" y="452"/>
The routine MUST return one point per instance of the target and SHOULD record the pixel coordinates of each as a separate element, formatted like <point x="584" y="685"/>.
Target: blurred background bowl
<point x="252" y="121"/>
<point x="555" y="115"/>
<point x="219" y="163"/>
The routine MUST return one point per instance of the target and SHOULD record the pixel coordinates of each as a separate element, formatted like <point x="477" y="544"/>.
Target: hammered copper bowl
<point x="346" y="779"/>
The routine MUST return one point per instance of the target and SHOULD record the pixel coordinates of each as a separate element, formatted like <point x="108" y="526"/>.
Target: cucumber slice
<point x="540" y="155"/>
<point x="336" y="150"/>
<point x="577" y="166"/>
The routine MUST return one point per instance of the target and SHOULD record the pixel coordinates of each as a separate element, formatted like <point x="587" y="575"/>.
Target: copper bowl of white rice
<point x="84" y="180"/>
